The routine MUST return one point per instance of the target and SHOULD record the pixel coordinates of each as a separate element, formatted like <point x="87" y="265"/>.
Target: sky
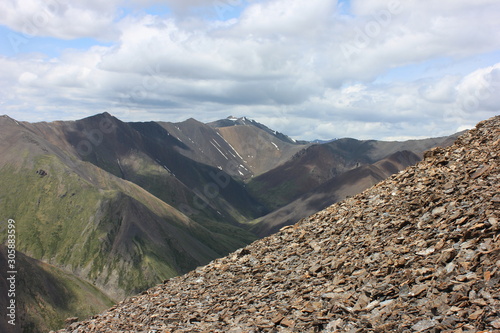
<point x="312" y="69"/>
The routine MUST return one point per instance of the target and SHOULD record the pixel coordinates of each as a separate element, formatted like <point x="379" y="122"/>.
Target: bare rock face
<point x="419" y="252"/>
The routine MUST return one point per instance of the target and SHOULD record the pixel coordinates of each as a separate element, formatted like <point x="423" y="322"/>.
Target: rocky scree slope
<point x="419" y="252"/>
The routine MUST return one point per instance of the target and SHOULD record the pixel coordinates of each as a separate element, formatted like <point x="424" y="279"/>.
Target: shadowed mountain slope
<point x="102" y="228"/>
<point x="333" y="190"/>
<point x="155" y="159"/>
<point x="44" y="291"/>
<point x="242" y="148"/>
<point x="204" y="144"/>
<point x="418" y="252"/>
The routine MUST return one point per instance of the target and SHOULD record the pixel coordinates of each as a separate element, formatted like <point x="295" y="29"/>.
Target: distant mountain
<point x="317" y="164"/>
<point x="244" y="121"/>
<point x="125" y="205"/>
<point x="260" y="148"/>
<point x="243" y="149"/>
<point x="333" y="190"/>
<point x="322" y="141"/>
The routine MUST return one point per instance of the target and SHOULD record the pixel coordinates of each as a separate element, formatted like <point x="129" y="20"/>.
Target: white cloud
<point x="480" y="90"/>
<point x="296" y="65"/>
<point x="286" y="18"/>
<point x="60" y="19"/>
<point x="380" y="37"/>
<point x="441" y="91"/>
<point x="96" y="19"/>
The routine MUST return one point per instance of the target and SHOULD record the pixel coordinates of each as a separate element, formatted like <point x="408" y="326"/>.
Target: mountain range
<point x="121" y="206"/>
<point x="418" y="252"/>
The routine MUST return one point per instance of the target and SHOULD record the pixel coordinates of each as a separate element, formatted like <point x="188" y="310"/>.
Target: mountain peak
<point x="102" y="115"/>
<point x="5" y="119"/>
<point x="101" y="120"/>
<point x="240" y="120"/>
<point x="245" y="121"/>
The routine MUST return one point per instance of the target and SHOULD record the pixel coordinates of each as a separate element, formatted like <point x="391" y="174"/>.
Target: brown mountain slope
<point x="419" y="252"/>
<point x="317" y="164"/>
<point x="204" y="144"/>
<point x="243" y="148"/>
<point x="260" y="148"/>
<point x="336" y="189"/>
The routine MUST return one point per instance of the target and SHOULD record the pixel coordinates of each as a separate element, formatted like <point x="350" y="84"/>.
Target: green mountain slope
<point x="102" y="228"/>
<point x="46" y="296"/>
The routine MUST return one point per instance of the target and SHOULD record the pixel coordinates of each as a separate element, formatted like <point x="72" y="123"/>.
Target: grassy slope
<point x="46" y="296"/>
<point x="115" y="234"/>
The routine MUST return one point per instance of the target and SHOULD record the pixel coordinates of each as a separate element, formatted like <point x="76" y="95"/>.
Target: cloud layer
<point x="308" y="69"/>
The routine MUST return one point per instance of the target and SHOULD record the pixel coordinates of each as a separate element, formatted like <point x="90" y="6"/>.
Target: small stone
<point x="479" y="172"/>
<point x="476" y="314"/>
<point x="372" y="305"/>
<point x="316" y="268"/>
<point x="424" y="325"/>
<point x="242" y="252"/>
<point x="495" y="323"/>
<point x="417" y="290"/>
<point x="287" y="322"/>
<point x="426" y="252"/>
<point x="71" y="320"/>
<point x="277" y="319"/>
<point x="438" y="211"/>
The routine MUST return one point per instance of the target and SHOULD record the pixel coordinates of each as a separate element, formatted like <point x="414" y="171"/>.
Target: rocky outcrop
<point x="419" y="252"/>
